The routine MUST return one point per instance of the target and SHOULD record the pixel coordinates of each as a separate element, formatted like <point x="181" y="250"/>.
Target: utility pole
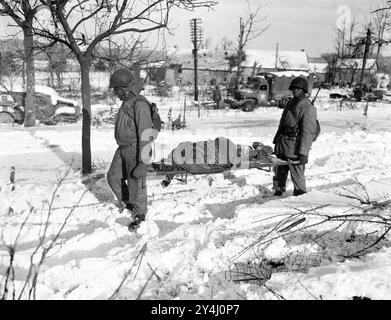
<point x="364" y="62"/>
<point x="184" y="112"/>
<point x="276" y="62"/>
<point x="196" y="38"/>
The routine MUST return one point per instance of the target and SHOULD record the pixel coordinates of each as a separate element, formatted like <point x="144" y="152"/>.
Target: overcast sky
<point x="294" y="24"/>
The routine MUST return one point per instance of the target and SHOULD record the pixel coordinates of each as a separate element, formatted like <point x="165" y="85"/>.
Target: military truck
<point x="50" y="106"/>
<point x="267" y="89"/>
<point x="252" y="95"/>
<point x="279" y="83"/>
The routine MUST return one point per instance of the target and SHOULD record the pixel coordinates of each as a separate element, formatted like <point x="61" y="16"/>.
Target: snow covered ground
<point x="196" y="234"/>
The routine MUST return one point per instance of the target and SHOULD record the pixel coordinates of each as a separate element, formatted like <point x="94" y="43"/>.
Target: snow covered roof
<point x="289" y="74"/>
<point x="210" y="59"/>
<point x="266" y="59"/>
<point x="316" y="60"/>
<point x="155" y="64"/>
<point x="213" y="59"/>
<point x="318" y="67"/>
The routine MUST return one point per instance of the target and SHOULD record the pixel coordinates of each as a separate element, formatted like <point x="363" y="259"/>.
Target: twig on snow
<point x="139" y="256"/>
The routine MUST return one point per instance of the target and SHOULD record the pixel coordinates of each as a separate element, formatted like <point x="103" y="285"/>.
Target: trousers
<point x="297" y="176"/>
<point x="127" y="189"/>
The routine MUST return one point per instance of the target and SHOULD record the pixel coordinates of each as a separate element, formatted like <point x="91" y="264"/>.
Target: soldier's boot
<point x="136" y="221"/>
<point x="124" y="206"/>
<point x="298" y="192"/>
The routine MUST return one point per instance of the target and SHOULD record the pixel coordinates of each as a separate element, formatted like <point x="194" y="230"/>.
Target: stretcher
<point x="171" y="170"/>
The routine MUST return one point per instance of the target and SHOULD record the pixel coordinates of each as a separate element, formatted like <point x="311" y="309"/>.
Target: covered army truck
<point x="279" y="82"/>
<point x="252" y="94"/>
<point x="267" y="89"/>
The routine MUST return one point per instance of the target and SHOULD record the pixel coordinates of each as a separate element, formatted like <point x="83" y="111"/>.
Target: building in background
<point x="349" y="70"/>
<point x="215" y="64"/>
<point x="318" y="67"/>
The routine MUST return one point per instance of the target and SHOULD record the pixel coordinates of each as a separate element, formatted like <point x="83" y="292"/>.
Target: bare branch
<point x="74" y="8"/>
<point x="7" y="10"/>
<point x="138" y="260"/>
<point x="92" y="14"/>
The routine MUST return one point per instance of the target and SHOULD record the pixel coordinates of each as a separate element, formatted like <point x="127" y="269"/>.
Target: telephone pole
<point x="196" y="34"/>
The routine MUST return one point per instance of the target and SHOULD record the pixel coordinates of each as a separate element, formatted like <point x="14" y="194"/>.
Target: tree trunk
<point x="352" y="78"/>
<point x="59" y="79"/>
<point x="51" y="74"/>
<point x="366" y="50"/>
<point x="239" y="71"/>
<point x="28" y="41"/>
<point x="85" y="63"/>
<point x="24" y="73"/>
<point x="378" y="52"/>
<point x="240" y="54"/>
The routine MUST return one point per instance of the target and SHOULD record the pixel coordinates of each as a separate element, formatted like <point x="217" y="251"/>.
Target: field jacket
<point x="296" y="130"/>
<point x="133" y="118"/>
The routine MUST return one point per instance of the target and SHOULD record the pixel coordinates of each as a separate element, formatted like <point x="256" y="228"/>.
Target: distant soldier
<point x="294" y="138"/>
<point x="358" y="93"/>
<point x="216" y="92"/>
<point x="128" y="170"/>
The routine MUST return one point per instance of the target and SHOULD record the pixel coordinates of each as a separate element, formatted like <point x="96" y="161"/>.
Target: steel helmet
<point x="122" y="78"/>
<point x="299" y="83"/>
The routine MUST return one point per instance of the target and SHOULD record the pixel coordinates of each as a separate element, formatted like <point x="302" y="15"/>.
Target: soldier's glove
<point x="140" y="171"/>
<point x="303" y="159"/>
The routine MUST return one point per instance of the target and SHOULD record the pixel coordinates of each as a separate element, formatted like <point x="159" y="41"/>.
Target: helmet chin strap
<point x="130" y="93"/>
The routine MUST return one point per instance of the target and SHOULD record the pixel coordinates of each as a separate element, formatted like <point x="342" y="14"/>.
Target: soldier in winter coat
<point x="216" y="92"/>
<point x="294" y="138"/>
<point x="128" y="170"/>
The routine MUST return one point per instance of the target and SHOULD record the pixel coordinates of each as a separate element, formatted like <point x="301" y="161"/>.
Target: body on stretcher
<point x="171" y="170"/>
<point x="223" y="154"/>
<point x="161" y="168"/>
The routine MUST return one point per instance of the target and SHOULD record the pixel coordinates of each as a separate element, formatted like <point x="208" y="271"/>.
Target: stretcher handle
<point x="290" y="162"/>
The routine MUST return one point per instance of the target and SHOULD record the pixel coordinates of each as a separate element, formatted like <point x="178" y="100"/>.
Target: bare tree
<point x="380" y="25"/>
<point x="206" y="44"/>
<point x="249" y="29"/>
<point x="118" y="53"/>
<point x="352" y="27"/>
<point x="57" y="57"/>
<point x="23" y="13"/>
<point x="345" y="36"/>
<point x="332" y="62"/>
<point x="8" y="68"/>
<point x="226" y="44"/>
<point x="340" y="43"/>
<point x="72" y="21"/>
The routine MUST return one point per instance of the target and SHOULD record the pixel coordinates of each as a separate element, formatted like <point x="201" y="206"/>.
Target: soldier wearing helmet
<point x="128" y="169"/>
<point x="294" y="137"/>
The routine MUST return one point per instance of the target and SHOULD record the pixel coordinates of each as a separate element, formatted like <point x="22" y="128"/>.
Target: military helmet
<point x="122" y="78"/>
<point x="299" y="83"/>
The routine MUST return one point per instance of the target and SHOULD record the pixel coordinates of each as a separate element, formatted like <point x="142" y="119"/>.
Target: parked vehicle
<point x="50" y="106"/>
<point x="367" y="95"/>
<point x="339" y="96"/>
<point x="379" y="94"/>
<point x="266" y="89"/>
<point x="253" y="94"/>
<point x="9" y="111"/>
<point x="279" y="83"/>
